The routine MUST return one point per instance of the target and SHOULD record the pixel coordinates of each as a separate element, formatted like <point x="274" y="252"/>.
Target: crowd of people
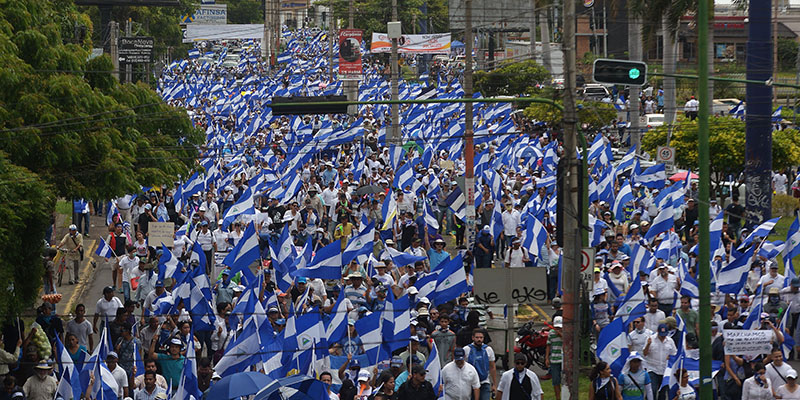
<point x="387" y="325"/>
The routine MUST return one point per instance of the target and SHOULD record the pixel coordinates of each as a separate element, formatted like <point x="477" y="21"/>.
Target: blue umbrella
<point x="295" y="387"/>
<point x="237" y="385"/>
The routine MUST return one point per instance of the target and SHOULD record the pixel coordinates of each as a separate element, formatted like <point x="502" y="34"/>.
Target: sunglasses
<point x="519" y="362"/>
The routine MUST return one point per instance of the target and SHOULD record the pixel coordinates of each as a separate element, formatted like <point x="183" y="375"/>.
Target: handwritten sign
<point x="748" y="343"/>
<point x="528" y="285"/>
<point x="161" y="232"/>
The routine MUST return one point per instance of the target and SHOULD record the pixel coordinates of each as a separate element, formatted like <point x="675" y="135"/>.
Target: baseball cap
<point x="558" y="322"/>
<point x="398" y="362"/>
<point x="363" y="375"/>
<point x="112" y="354"/>
<point x="795" y="282"/>
<point x="791" y="374"/>
<point x="301" y="280"/>
<point x="663" y="330"/>
<point x="159" y="283"/>
<point x="458" y="354"/>
<point x="635" y="356"/>
<point x="774" y="290"/>
<point x="418" y="369"/>
<point x="176" y="342"/>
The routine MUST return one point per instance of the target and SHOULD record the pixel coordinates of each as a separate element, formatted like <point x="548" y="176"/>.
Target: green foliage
<point x="726" y="143"/>
<point x="372" y="15"/>
<point x="21" y="235"/>
<point x="593" y="113"/>
<point x="244" y="11"/>
<point x="162" y="23"/>
<point x="69" y="129"/>
<point x="783" y="205"/>
<point x="511" y="78"/>
<point x="787" y="54"/>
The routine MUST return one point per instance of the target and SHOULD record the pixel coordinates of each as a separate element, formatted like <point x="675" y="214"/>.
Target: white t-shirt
<point x="108" y="309"/>
<point x="122" y="380"/>
<point x="81" y="330"/>
<point x="221" y="238"/>
<point x="127" y="265"/>
<point x="777" y="374"/>
<point x="779" y="181"/>
<point x="686" y="393"/>
<point x="514" y="257"/>
<point x="786" y="394"/>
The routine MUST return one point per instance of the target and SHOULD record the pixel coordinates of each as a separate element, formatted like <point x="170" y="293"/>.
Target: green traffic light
<point x="633" y="73"/>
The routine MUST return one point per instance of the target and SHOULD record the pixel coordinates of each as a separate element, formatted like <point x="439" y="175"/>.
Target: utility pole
<point x="331" y="42"/>
<point x="112" y="28"/>
<point x="351" y="85"/>
<point x="703" y="263"/>
<point x="635" y="51"/>
<point x="775" y="66"/>
<point x="394" y="133"/>
<point x="266" y="42"/>
<point x="128" y="66"/>
<point x="533" y="30"/>
<point x="351" y="9"/>
<point x="276" y="25"/>
<point x="571" y="263"/>
<point x="469" y="148"/>
<point x="544" y="30"/>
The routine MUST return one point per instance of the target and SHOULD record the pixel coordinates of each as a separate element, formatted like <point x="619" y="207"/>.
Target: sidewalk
<point x="71" y="294"/>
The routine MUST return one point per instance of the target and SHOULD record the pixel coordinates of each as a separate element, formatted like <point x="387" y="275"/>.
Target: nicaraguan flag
<point x="633" y="305"/>
<point x="612" y="347"/>
<point x="326" y="264"/>
<point x="732" y="277"/>
<point x="762" y="230"/>
<point x="242" y="207"/>
<point x="245" y="253"/>
<point x="663" y="222"/>
<point x="622" y="199"/>
<point x="654" y="177"/>
<point x="452" y="281"/>
<point x="104" y="250"/>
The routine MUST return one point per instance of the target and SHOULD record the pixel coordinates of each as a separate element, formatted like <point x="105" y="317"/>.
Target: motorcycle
<point x="533" y="344"/>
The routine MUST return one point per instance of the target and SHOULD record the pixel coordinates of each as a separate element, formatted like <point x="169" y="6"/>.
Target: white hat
<point x="363" y="375"/>
<point x="558" y="322"/>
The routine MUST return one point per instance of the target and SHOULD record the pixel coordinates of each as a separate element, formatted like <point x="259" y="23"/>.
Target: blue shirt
<point x="437" y="257"/>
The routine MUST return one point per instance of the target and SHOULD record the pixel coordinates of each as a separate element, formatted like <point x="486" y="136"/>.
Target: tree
<point x="593" y="113"/>
<point x="372" y="15"/>
<point x="30" y="203"/>
<point x="726" y="143"/>
<point x="69" y="129"/>
<point x="511" y="78"/>
<point x="787" y="54"/>
<point x="245" y="11"/>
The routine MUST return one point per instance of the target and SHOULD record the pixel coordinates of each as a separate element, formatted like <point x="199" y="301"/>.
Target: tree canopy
<point x="511" y="78"/>
<point x="69" y="129"/>
<point x="593" y="113"/>
<point x="726" y="142"/>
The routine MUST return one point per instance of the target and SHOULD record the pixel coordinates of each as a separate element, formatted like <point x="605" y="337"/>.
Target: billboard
<point x="136" y="50"/>
<point x="437" y="43"/>
<point x="207" y="14"/>
<point x="350" y="52"/>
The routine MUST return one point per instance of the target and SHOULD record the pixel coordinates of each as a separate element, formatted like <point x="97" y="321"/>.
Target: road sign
<point x="619" y="72"/>
<point x="587" y="267"/>
<point x="666" y="156"/>
<point x="136" y="50"/>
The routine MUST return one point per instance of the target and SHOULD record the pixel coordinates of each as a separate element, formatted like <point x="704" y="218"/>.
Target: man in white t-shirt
<point x="81" y="327"/>
<point x="779" y="182"/>
<point x="128" y="264"/>
<point x="516" y="256"/>
<point x="120" y="376"/>
<point x="106" y="307"/>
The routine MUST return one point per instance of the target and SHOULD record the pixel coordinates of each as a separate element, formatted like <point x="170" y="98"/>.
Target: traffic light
<point x="300" y="105"/>
<point x="619" y="72"/>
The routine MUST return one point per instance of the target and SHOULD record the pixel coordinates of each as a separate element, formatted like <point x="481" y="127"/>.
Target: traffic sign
<point x="136" y="50"/>
<point x="666" y="156"/>
<point x="619" y="72"/>
<point x="587" y="267"/>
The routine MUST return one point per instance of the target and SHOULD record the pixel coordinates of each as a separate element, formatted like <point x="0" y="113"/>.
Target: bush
<point x="783" y="205"/>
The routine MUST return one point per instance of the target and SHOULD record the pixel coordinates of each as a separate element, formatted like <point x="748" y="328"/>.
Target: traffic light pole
<point x="703" y="264"/>
<point x="469" y="147"/>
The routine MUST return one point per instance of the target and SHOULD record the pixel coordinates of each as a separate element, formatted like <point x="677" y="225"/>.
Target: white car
<point x="651" y="121"/>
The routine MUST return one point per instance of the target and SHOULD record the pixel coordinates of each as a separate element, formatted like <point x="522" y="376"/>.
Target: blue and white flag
<point x="242" y="207"/>
<point x="622" y="199"/>
<point x="105" y="385"/>
<point x="168" y="265"/>
<point x="369" y="329"/>
<point x="401" y="259"/>
<point x="762" y="230"/>
<point x="654" y="177"/>
<point x="788" y="340"/>
<point x="732" y="277"/>
<point x="245" y="253"/>
<point x="633" y="305"/>
<point x="663" y="222"/>
<point x="715" y="234"/>
<point x="104" y="250"/>
<point x="360" y="244"/>
<point x="434" y="368"/>
<point x="627" y="161"/>
<point x="452" y="281"/>
<point x="776" y="115"/>
<point x="535" y="236"/>
<point x="336" y="328"/>
<point x="326" y="264"/>
<point x="612" y="347"/>
<point x="240" y="353"/>
<point x="69" y="386"/>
